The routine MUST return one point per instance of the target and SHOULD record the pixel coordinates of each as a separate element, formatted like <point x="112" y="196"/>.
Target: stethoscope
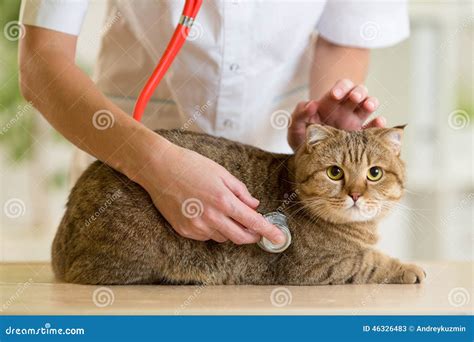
<point x="190" y="10"/>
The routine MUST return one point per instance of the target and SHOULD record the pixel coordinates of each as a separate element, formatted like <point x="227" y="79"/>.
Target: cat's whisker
<point x="140" y="247"/>
<point x="416" y="193"/>
<point x="413" y="227"/>
<point x="409" y="208"/>
<point x="413" y="211"/>
<point x="406" y="218"/>
<point x="293" y="183"/>
<point x="415" y="223"/>
<point x="307" y="206"/>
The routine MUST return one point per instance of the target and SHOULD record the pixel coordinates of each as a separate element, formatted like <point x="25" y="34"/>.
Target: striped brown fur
<point x="129" y="242"/>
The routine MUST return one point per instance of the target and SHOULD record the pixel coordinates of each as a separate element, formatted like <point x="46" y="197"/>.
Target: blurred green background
<point x="17" y="118"/>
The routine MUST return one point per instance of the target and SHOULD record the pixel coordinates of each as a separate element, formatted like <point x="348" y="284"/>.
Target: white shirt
<point x="244" y="67"/>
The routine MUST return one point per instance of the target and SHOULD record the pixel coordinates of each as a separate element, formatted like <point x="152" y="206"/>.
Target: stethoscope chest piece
<point x="279" y="220"/>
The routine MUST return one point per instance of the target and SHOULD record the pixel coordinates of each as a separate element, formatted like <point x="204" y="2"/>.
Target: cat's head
<point x="347" y="177"/>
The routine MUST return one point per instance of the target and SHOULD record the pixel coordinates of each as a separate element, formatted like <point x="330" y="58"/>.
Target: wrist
<point x="144" y="160"/>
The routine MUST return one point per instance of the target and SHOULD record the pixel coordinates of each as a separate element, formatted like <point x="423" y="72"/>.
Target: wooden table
<point x="30" y="288"/>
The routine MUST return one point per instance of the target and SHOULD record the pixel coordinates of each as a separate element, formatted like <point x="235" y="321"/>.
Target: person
<point x="244" y="65"/>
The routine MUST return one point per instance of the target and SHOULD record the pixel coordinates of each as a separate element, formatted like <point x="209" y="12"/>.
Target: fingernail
<point x="356" y="96"/>
<point x="370" y="105"/>
<point x="278" y="239"/>
<point x="348" y="83"/>
<point x="383" y="121"/>
<point x="337" y="93"/>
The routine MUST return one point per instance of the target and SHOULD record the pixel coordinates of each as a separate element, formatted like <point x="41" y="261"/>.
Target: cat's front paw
<point x="411" y="274"/>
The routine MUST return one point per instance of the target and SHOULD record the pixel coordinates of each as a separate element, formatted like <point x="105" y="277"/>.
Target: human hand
<point x="202" y="200"/>
<point x="345" y="107"/>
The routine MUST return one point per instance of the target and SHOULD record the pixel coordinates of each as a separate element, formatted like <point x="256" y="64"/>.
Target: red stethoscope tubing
<point x="190" y="10"/>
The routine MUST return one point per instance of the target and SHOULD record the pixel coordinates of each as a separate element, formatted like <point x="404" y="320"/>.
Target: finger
<point x="341" y="89"/>
<point x="303" y="113"/>
<point x="311" y="110"/>
<point x="356" y="97"/>
<point x="299" y="110"/>
<point x="202" y="232"/>
<point x="333" y="99"/>
<point x="378" y="122"/>
<point x="370" y="104"/>
<point x="217" y="237"/>
<point x="367" y="107"/>
<point x="236" y="233"/>
<point x="193" y="235"/>
<point x="240" y="190"/>
<point x="255" y="222"/>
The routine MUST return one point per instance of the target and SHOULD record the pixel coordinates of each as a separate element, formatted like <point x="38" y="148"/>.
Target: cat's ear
<point x="393" y="138"/>
<point x="316" y="133"/>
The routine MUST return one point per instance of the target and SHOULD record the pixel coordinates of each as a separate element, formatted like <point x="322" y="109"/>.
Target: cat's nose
<point x="355" y="196"/>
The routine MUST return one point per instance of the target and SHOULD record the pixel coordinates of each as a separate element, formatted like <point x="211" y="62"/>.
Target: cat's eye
<point x="375" y="173"/>
<point x="335" y="172"/>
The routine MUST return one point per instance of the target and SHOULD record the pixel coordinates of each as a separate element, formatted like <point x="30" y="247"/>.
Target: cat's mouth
<point x="362" y="210"/>
<point x="346" y="210"/>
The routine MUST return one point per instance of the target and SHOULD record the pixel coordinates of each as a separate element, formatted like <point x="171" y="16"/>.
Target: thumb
<point x="304" y="112"/>
<point x="379" y="122"/>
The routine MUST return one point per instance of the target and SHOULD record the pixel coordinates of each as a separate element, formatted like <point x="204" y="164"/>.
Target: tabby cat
<point x="333" y="190"/>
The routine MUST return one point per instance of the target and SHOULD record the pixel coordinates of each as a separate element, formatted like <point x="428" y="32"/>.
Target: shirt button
<point x="228" y="123"/>
<point x="234" y="67"/>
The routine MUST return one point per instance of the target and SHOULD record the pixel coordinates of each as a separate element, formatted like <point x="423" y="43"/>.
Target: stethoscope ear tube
<point x="190" y="10"/>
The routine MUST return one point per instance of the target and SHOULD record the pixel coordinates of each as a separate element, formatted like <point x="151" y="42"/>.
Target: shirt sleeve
<point x="365" y="24"/>
<point x="64" y="16"/>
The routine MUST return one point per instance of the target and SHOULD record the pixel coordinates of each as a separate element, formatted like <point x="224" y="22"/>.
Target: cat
<point x="334" y="190"/>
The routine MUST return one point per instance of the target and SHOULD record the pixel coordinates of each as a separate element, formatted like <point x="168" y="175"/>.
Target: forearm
<point x="332" y="62"/>
<point x="68" y="99"/>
